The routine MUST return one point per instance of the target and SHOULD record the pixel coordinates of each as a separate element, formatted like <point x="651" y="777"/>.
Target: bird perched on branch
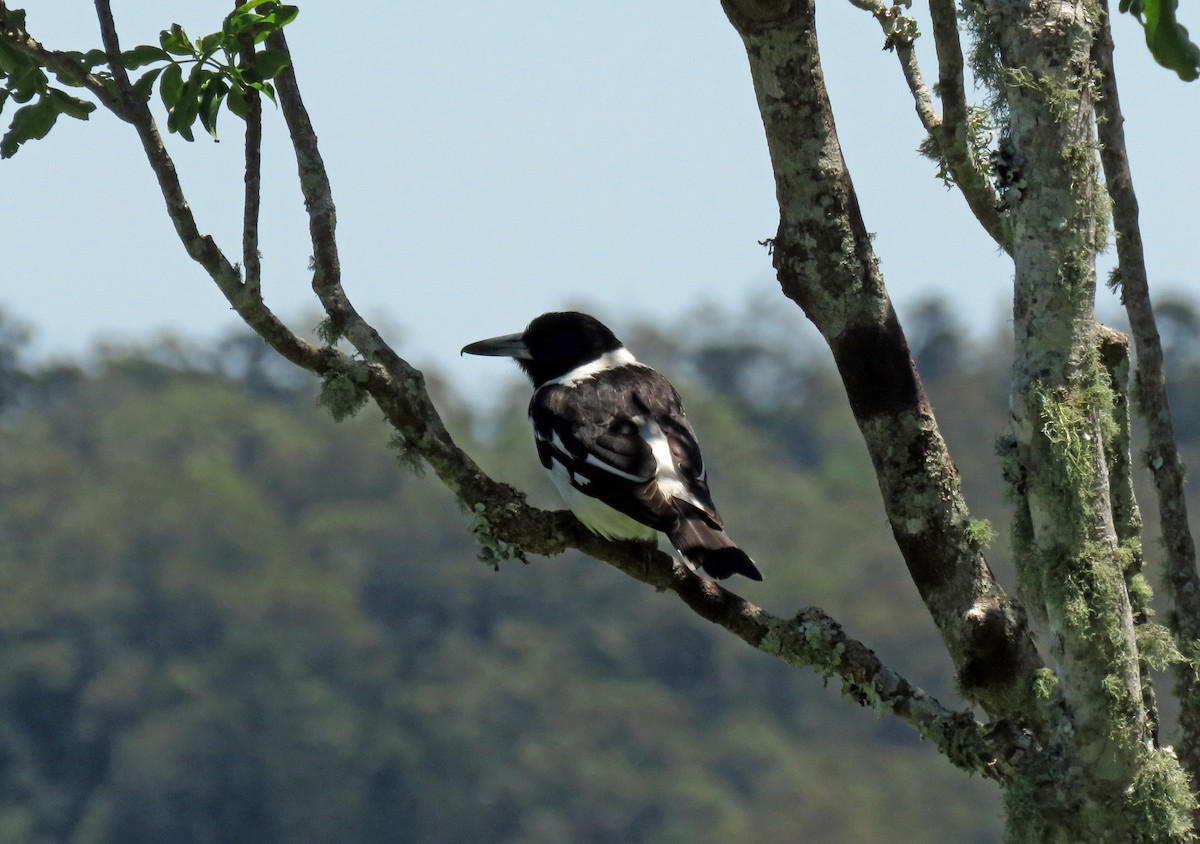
<point x="613" y="435"/>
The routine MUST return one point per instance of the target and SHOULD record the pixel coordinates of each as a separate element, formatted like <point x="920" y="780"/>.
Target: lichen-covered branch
<point x="899" y="33"/>
<point x="955" y="136"/>
<point x="825" y="262"/>
<point x="1181" y="579"/>
<point x="812" y="639"/>
<point x="1068" y="462"/>
<point x="1126" y="517"/>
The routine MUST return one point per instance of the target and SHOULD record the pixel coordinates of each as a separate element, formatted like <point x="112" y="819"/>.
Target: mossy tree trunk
<point x="1099" y="775"/>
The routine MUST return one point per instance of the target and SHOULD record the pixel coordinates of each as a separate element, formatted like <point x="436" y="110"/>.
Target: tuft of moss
<point x="1157" y="646"/>
<point x="492" y="549"/>
<point x="407" y="455"/>
<point x="342" y="392"/>
<point x="980" y="533"/>
<point x="1159" y="804"/>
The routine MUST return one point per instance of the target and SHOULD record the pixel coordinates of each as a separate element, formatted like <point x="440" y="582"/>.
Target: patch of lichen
<point x="984" y="55"/>
<point x="492" y="549"/>
<point x="1079" y="576"/>
<point x="1076" y="421"/>
<point x="343" y="390"/>
<point x="1159" y="804"/>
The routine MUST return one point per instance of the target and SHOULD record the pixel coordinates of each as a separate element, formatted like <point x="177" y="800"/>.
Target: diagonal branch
<point x="899" y="33"/>
<point x="826" y="263"/>
<point x="812" y="639"/>
<point x="1182" y="582"/>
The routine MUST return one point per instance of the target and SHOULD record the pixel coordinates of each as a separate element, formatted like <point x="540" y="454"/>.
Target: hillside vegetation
<point x="225" y="618"/>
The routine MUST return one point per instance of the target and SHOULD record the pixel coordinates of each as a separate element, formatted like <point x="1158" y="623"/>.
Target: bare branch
<point x="200" y="247"/>
<point x="251" y="262"/>
<point x="1182" y="582"/>
<point x="950" y="131"/>
<point x="951" y="85"/>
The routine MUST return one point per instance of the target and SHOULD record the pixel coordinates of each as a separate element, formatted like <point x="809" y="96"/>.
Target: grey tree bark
<point x="1072" y="734"/>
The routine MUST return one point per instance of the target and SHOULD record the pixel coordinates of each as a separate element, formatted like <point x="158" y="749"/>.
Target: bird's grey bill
<point x="508" y="346"/>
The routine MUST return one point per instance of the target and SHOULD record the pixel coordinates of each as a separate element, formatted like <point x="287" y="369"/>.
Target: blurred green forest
<point x="225" y="618"/>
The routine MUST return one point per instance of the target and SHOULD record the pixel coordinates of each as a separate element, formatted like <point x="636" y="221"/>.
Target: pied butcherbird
<point x="614" y="437"/>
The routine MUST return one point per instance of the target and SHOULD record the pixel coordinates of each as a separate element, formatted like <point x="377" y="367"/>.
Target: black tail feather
<point x="720" y="563"/>
<point x="710" y="548"/>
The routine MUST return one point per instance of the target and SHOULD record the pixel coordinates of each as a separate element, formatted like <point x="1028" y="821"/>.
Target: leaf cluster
<point x="195" y="77"/>
<point x="218" y="73"/>
<point x="23" y="81"/>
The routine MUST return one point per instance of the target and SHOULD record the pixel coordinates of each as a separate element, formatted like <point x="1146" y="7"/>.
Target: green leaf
<point x="175" y="41"/>
<point x="269" y="63"/>
<point x="211" y="95"/>
<point x="29" y="123"/>
<point x="26" y="82"/>
<point x="284" y="15"/>
<point x="145" y="84"/>
<point x="85" y="61"/>
<point x="92" y="58"/>
<point x="209" y="43"/>
<point x="1168" y="39"/>
<point x="143" y="55"/>
<point x="238" y="22"/>
<point x="169" y="87"/>
<point x="253" y="4"/>
<point x="236" y="100"/>
<point x="70" y="106"/>
<point x="10" y="60"/>
<point x="264" y="88"/>
<point x="187" y="107"/>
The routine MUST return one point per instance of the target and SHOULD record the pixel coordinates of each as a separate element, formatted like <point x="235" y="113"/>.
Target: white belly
<point x="597" y="516"/>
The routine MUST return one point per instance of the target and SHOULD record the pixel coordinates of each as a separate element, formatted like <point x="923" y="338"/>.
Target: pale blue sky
<point x="491" y="161"/>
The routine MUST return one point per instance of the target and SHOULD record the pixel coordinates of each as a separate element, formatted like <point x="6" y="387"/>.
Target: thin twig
<point x="950" y="130"/>
<point x="889" y="18"/>
<point x="251" y="262"/>
<point x="1182" y="582"/>
<point x="200" y="247"/>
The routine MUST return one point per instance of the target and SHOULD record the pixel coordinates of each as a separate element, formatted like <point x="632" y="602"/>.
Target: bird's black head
<point x="552" y="345"/>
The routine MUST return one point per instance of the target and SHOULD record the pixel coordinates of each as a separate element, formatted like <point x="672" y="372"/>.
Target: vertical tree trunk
<point x="1098" y="778"/>
<point x="1067" y="549"/>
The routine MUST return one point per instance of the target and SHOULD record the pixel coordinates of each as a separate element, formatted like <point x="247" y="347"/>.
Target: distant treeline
<point x="225" y="618"/>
